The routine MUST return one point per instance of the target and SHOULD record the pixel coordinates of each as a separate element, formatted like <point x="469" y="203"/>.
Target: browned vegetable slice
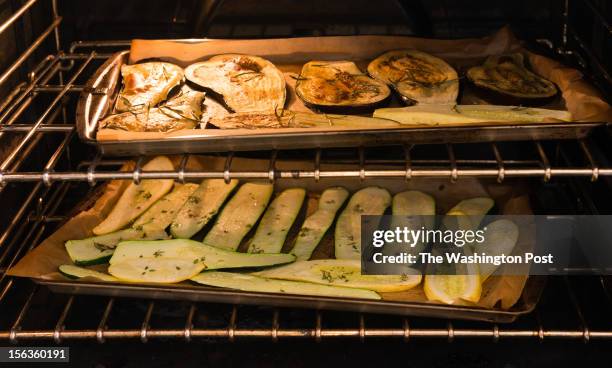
<point x="183" y="111"/>
<point x="147" y="84"/>
<point x="339" y="86"/>
<point x="507" y="75"/>
<point x="417" y="76"/>
<point x="245" y="83"/>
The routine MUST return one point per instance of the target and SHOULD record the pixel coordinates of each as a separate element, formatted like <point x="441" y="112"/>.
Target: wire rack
<point x="46" y="171"/>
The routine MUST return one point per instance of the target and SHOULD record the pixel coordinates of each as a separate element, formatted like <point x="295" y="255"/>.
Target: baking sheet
<point x="504" y="297"/>
<point x="581" y="99"/>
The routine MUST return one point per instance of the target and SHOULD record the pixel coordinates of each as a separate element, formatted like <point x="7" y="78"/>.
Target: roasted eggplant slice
<point x="147" y="84"/>
<point x="507" y="75"/>
<point x="337" y="86"/>
<point x="417" y="76"/>
<point x="245" y="83"/>
<point x="184" y="111"/>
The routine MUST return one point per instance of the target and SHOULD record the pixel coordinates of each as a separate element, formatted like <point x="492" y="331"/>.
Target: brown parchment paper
<point x="498" y="291"/>
<point x="576" y="95"/>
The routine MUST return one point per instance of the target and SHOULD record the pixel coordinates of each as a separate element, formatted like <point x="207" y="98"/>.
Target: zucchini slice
<point x="162" y="270"/>
<point x="475" y="208"/>
<point x="469" y="115"/>
<point x="99" y="249"/>
<point x="367" y="201"/>
<point x="342" y="272"/>
<point x="501" y="237"/>
<point x="316" y="225"/>
<point x="137" y="198"/>
<point x="76" y="272"/>
<point x="413" y="203"/>
<point x="202" y="205"/>
<point x="257" y="284"/>
<point x="276" y="222"/>
<point x="417" y="76"/>
<point x="195" y="252"/>
<point x="239" y="215"/>
<point x="161" y="213"/>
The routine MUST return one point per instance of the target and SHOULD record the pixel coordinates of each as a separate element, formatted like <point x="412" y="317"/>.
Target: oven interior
<point x="52" y="47"/>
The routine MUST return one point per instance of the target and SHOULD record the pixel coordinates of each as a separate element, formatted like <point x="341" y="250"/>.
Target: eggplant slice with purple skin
<point x="339" y="86"/>
<point x="419" y="78"/>
<point x="244" y="83"/>
<point x="506" y="76"/>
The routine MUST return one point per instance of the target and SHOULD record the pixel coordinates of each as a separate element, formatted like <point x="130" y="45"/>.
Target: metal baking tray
<point x="99" y="94"/>
<point x="446" y="196"/>
<point x="526" y="304"/>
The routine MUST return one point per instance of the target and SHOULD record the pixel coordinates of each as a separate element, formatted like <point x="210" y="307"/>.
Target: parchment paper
<point x="577" y="96"/>
<point x="498" y="291"/>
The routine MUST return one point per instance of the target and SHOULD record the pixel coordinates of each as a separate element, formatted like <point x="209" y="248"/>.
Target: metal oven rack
<point x="45" y="187"/>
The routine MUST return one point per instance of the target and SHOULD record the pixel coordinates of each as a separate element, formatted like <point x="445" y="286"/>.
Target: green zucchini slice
<point x="239" y="215"/>
<point x="161" y="213"/>
<point x="257" y="284"/>
<point x="210" y="257"/>
<point x="342" y="272"/>
<point x="202" y="205"/>
<point x="137" y="198"/>
<point x="276" y="221"/>
<point x="367" y="201"/>
<point x="408" y="206"/>
<point x="76" y="272"/>
<point x="99" y="249"/>
<point x="316" y="225"/>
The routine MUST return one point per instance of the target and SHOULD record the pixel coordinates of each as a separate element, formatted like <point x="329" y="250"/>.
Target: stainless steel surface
<point x="38" y="213"/>
<point x="92" y="107"/>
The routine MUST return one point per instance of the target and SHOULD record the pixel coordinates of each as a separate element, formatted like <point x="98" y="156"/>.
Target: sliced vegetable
<point x="333" y="86"/>
<point x="161" y="213"/>
<point x="245" y="83"/>
<point x="316" y="225"/>
<point x="474" y="210"/>
<point x="507" y="75"/>
<point x="415" y="210"/>
<point x="417" y="76"/>
<point x="276" y="222"/>
<point x="251" y="283"/>
<point x="195" y="252"/>
<point x="239" y="215"/>
<point x="155" y="270"/>
<point x="345" y="272"/>
<point x="367" y="201"/>
<point x="460" y="115"/>
<point x="201" y="206"/>
<point x="137" y="198"/>
<point x="99" y="249"/>
<point x="450" y="289"/>
<point x="147" y="84"/>
<point x="295" y="119"/>
<point x="500" y="238"/>
<point x="76" y="272"/>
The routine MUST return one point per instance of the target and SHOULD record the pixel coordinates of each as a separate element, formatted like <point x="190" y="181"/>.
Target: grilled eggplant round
<point x="147" y="84"/>
<point x="417" y="76"/>
<point x="507" y="76"/>
<point x="244" y="83"/>
<point x="339" y="86"/>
